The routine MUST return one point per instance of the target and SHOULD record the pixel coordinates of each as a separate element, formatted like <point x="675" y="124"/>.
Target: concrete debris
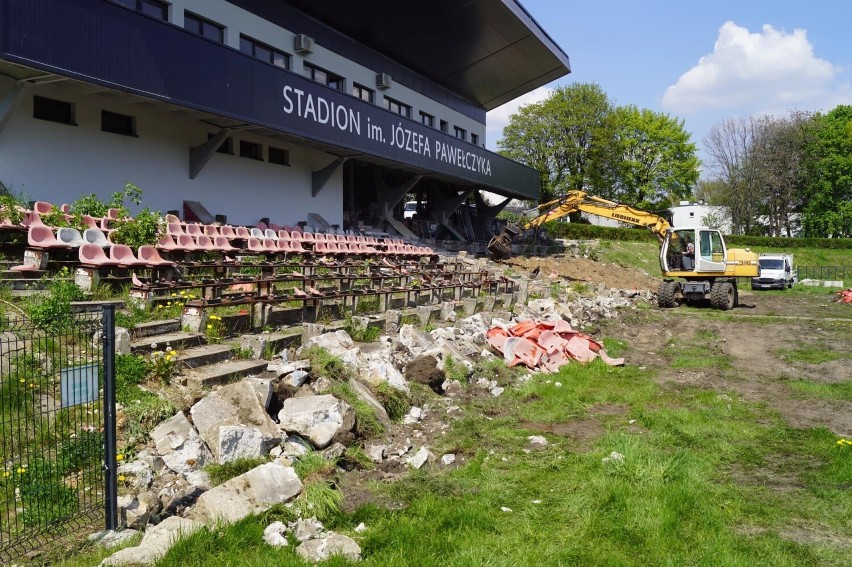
<point x="111" y="538"/>
<point x="419" y="458"/>
<point x="376" y="453"/>
<point x="360" y="528"/>
<point x="179" y="444"/>
<point x="318" y="418"/>
<point x="295" y="446"/>
<point x="338" y="343"/>
<point x="283" y="367"/>
<point x="275" y="534"/>
<point x="252" y="492"/>
<point x="305" y="530"/>
<point x="414" y="415"/>
<point x="155" y="543"/>
<point x="317" y="550"/>
<point x="614" y="457"/>
<point x="234" y="423"/>
<point x="140" y="472"/>
<point x="448" y="459"/>
<point x="537" y="440"/>
<point x="546" y="346"/>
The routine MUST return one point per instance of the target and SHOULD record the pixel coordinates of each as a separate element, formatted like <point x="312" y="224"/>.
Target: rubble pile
<point x="291" y="410"/>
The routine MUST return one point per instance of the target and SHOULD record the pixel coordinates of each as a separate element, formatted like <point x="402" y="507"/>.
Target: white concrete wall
<point x="59" y="163"/>
<point x="238" y="21"/>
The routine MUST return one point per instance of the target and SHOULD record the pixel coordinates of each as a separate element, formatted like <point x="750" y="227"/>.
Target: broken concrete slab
<point x="155" y="543"/>
<point x="318" y="418"/>
<point x="316" y="550"/>
<point x="250" y="493"/>
<point x="180" y="445"/>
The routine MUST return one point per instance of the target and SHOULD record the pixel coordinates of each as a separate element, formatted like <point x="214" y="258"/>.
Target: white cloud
<point x="498" y="118"/>
<point x="757" y="72"/>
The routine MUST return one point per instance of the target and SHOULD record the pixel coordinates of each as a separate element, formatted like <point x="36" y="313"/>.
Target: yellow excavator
<point x="695" y="262"/>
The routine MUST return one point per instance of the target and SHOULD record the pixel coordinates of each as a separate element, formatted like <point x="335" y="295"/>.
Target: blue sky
<point x="701" y="61"/>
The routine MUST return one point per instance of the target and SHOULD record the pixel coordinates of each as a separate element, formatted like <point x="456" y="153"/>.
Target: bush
<point x="52" y="312"/>
<point x="145" y="228"/>
<point x="9" y="209"/>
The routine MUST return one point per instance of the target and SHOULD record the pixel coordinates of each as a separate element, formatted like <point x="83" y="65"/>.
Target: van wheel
<point x="722" y="296"/>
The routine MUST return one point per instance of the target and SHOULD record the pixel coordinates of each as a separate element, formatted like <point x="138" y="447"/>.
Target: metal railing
<point x="824" y="272"/>
<point x="57" y="429"/>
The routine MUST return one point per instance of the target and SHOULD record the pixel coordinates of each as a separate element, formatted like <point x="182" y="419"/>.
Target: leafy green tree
<point x="827" y="210"/>
<point x="656" y="163"/>
<point x="564" y="137"/>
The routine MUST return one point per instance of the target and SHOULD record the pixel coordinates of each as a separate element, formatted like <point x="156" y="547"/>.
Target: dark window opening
<point x="398" y="107"/>
<point x="322" y="76"/>
<point x="53" y="110"/>
<point x="155" y="8"/>
<point x="264" y="52"/>
<point x="365" y="94"/>
<point x="460" y="133"/>
<point x="226" y="147"/>
<point x="474" y="139"/>
<point x="251" y="150"/>
<point x="427" y="119"/>
<point x="118" y="123"/>
<point x="279" y="156"/>
<point x="444" y="126"/>
<point x="204" y="27"/>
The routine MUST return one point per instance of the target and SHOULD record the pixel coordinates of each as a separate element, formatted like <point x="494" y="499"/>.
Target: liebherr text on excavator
<point x="695" y="262"/>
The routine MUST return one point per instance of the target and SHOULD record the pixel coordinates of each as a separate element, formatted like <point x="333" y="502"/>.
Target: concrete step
<point x="178" y="340"/>
<point x="273" y="342"/>
<point x="203" y="355"/>
<point x="152" y="328"/>
<point x="23" y="280"/>
<point x="224" y="372"/>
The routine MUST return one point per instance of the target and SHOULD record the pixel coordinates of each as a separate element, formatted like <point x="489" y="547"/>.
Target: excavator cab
<point x="693" y="250"/>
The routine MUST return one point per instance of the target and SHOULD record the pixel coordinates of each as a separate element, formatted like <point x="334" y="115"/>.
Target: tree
<point x="657" y="164"/>
<point x="827" y="209"/>
<point x="563" y="137"/>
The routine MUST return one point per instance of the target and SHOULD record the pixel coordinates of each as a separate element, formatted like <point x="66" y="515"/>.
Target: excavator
<point x="695" y="262"/>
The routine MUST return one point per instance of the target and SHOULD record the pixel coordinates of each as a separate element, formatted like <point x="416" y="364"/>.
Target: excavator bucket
<point x="500" y="247"/>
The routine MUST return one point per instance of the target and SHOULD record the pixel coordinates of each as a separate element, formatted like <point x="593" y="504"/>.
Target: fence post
<point x="110" y="461"/>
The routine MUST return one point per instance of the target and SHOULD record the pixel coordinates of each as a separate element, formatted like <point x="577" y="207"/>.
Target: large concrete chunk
<point x="250" y="493"/>
<point x="319" y="418"/>
<point x="179" y="445"/>
<point x="338" y="343"/>
<point x="316" y="550"/>
<point x="155" y="543"/>
<point x="235" y="405"/>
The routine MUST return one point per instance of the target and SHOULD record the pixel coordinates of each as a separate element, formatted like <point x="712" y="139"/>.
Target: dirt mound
<point x="584" y="270"/>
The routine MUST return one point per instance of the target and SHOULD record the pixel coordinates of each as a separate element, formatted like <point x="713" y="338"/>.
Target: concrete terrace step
<point x="224" y="372"/>
<point x="152" y="328"/>
<point x="178" y="340"/>
<point x="204" y="355"/>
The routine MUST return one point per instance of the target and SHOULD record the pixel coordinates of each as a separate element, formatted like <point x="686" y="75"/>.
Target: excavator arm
<point x="580" y="201"/>
<point x="501" y="245"/>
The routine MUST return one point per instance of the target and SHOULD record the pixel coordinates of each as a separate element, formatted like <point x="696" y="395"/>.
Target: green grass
<point x="840" y="391"/>
<point x="223" y="472"/>
<point x="810" y="354"/>
<point x="696" y="352"/>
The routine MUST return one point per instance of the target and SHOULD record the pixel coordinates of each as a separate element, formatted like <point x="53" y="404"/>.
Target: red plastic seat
<point x="149" y="255"/>
<point x="255" y="245"/>
<point x="186" y="242"/>
<point x="194" y="229"/>
<point x="175" y="229"/>
<point x="204" y="242"/>
<point x="283" y="234"/>
<point x="93" y="255"/>
<point x="123" y="256"/>
<point x="166" y="242"/>
<point x="227" y="231"/>
<point x="242" y="232"/>
<point x="284" y="246"/>
<point x="211" y="230"/>
<point x="42" y="207"/>
<point x="297" y="247"/>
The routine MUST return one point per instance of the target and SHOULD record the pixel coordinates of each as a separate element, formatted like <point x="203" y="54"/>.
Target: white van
<point x="776" y="272"/>
<point x="409" y="210"/>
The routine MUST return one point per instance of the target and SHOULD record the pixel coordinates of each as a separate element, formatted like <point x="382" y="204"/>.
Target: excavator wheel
<point x="723" y="296"/>
<point x="666" y="294"/>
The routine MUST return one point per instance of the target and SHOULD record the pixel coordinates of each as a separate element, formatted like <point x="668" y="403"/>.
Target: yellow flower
<point x="6" y="474"/>
<point x="174" y="294"/>
<point x="21" y="380"/>
<point x="121" y="478"/>
<point x="159" y="307"/>
<point x="209" y="326"/>
<point x="119" y="457"/>
<point x="21" y="470"/>
<point x="169" y="303"/>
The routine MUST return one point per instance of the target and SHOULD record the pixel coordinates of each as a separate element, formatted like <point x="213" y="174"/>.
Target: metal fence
<point x="57" y="429"/>
<point x="824" y="272"/>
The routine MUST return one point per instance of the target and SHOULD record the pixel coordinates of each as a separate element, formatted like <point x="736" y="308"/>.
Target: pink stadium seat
<point x="227" y="231"/>
<point x="242" y="232"/>
<point x="90" y="221"/>
<point x="65" y="208"/>
<point x="291" y="229"/>
<point x="175" y="229"/>
<point x="297" y="247"/>
<point x="223" y="244"/>
<point x="204" y="242"/>
<point x="42" y="207"/>
<point x="270" y="245"/>
<point x="123" y="256"/>
<point x="152" y="258"/>
<point x="284" y="246"/>
<point x="185" y="242"/>
<point x="42" y="237"/>
<point x="283" y="234"/>
<point x="32" y="218"/>
<point x="194" y="229"/>
<point x="321" y="247"/>
<point x="276" y="227"/>
<point x="262" y="226"/>
<point x="320" y="237"/>
<point x="211" y="230"/>
<point x="255" y="245"/>
<point x="112" y="214"/>
<point x="93" y="255"/>
<point x="166" y="242"/>
<point x="309" y="237"/>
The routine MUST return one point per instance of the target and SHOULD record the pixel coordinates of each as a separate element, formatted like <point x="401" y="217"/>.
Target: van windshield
<point x="411" y="206"/>
<point x="771" y="264"/>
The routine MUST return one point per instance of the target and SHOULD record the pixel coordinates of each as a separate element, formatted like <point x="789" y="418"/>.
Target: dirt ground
<point x="584" y="270"/>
